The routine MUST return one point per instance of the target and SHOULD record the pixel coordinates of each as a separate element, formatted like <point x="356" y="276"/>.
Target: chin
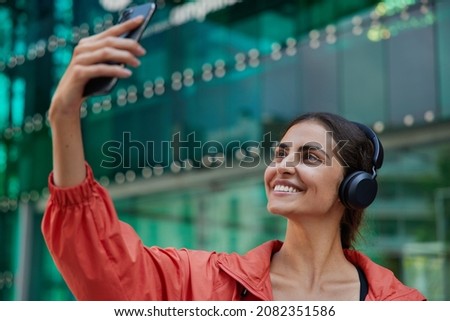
<point x="281" y="211"/>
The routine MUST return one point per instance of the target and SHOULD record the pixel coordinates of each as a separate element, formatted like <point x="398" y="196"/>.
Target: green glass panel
<point x="18" y="101"/>
<point x="4" y="100"/>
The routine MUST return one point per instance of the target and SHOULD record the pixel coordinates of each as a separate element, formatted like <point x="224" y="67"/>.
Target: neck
<point x="311" y="264"/>
<point x="311" y="249"/>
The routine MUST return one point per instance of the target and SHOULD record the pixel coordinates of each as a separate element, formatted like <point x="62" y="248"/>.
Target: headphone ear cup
<point x="358" y="190"/>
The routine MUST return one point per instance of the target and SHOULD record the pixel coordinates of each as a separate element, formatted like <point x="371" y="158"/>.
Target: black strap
<point x="364" y="285"/>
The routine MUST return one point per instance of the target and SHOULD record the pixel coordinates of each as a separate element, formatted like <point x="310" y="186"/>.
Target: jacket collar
<point x="252" y="270"/>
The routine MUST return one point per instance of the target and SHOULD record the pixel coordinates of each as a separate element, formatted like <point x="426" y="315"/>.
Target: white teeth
<point x="283" y="188"/>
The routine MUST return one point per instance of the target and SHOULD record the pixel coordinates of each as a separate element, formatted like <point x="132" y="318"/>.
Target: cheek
<point x="332" y="181"/>
<point x="324" y="179"/>
<point x="269" y="174"/>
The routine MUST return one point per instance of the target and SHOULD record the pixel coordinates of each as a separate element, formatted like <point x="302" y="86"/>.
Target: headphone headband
<point x="378" y="152"/>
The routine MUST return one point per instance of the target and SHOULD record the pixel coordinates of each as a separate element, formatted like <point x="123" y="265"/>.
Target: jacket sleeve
<point x="102" y="258"/>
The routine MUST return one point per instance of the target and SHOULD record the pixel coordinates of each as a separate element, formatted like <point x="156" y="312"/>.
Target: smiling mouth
<point x="286" y="189"/>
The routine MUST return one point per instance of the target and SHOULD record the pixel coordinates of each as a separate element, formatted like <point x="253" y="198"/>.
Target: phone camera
<point x="126" y="14"/>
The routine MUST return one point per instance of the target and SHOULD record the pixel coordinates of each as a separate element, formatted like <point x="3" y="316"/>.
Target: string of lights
<point x="185" y="78"/>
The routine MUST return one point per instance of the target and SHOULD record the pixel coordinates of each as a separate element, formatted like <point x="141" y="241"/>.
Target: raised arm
<point x="88" y="62"/>
<point x="99" y="256"/>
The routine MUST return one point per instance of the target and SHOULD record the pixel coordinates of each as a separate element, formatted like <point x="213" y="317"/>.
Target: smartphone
<point x="103" y="85"/>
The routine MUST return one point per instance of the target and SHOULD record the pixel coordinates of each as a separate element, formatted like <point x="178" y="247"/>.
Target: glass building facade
<point x="182" y="145"/>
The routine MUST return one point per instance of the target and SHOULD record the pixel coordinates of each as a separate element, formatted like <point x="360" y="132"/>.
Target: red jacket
<point x="102" y="258"/>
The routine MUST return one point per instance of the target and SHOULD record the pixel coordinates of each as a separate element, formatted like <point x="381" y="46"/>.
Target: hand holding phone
<point x="103" y="85"/>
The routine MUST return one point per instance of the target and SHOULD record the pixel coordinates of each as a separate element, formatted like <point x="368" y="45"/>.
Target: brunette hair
<point x="355" y="155"/>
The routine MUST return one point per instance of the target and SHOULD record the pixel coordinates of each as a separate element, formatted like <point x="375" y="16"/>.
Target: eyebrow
<point x="306" y="147"/>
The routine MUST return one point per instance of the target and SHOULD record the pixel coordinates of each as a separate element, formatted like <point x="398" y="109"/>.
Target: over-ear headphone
<point x="358" y="189"/>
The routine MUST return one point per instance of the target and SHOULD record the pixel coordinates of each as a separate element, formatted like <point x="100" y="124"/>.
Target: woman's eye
<point x="310" y="158"/>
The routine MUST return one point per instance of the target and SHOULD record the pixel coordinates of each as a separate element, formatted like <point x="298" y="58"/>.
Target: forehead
<point x="308" y="131"/>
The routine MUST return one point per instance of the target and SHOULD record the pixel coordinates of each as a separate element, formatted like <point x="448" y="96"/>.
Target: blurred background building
<point x="182" y="145"/>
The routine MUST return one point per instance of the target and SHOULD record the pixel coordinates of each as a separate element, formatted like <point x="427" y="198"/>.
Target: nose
<point x="287" y="165"/>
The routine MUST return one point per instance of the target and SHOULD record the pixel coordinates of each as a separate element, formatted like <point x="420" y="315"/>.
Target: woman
<point x="102" y="258"/>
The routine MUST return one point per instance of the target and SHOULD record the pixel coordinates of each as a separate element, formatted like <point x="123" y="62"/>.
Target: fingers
<point x="108" y="46"/>
<point x="129" y="45"/>
<point x="105" y="57"/>
<point x="118" y="29"/>
<point x="107" y="54"/>
<point x="100" y="70"/>
<point x="101" y="55"/>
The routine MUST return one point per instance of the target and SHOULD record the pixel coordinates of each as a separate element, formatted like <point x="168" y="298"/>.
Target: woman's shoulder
<point x="382" y="282"/>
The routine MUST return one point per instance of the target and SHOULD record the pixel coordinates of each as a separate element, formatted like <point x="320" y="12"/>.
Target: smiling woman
<point x="322" y="165"/>
<point x="304" y="185"/>
<point x="326" y="148"/>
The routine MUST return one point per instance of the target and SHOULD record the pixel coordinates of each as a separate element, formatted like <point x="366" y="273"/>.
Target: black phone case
<point x="103" y="85"/>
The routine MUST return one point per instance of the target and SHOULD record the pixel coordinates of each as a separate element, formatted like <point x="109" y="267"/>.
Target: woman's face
<point x="305" y="175"/>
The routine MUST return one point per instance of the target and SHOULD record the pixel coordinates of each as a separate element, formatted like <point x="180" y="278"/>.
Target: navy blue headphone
<point x="358" y="189"/>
